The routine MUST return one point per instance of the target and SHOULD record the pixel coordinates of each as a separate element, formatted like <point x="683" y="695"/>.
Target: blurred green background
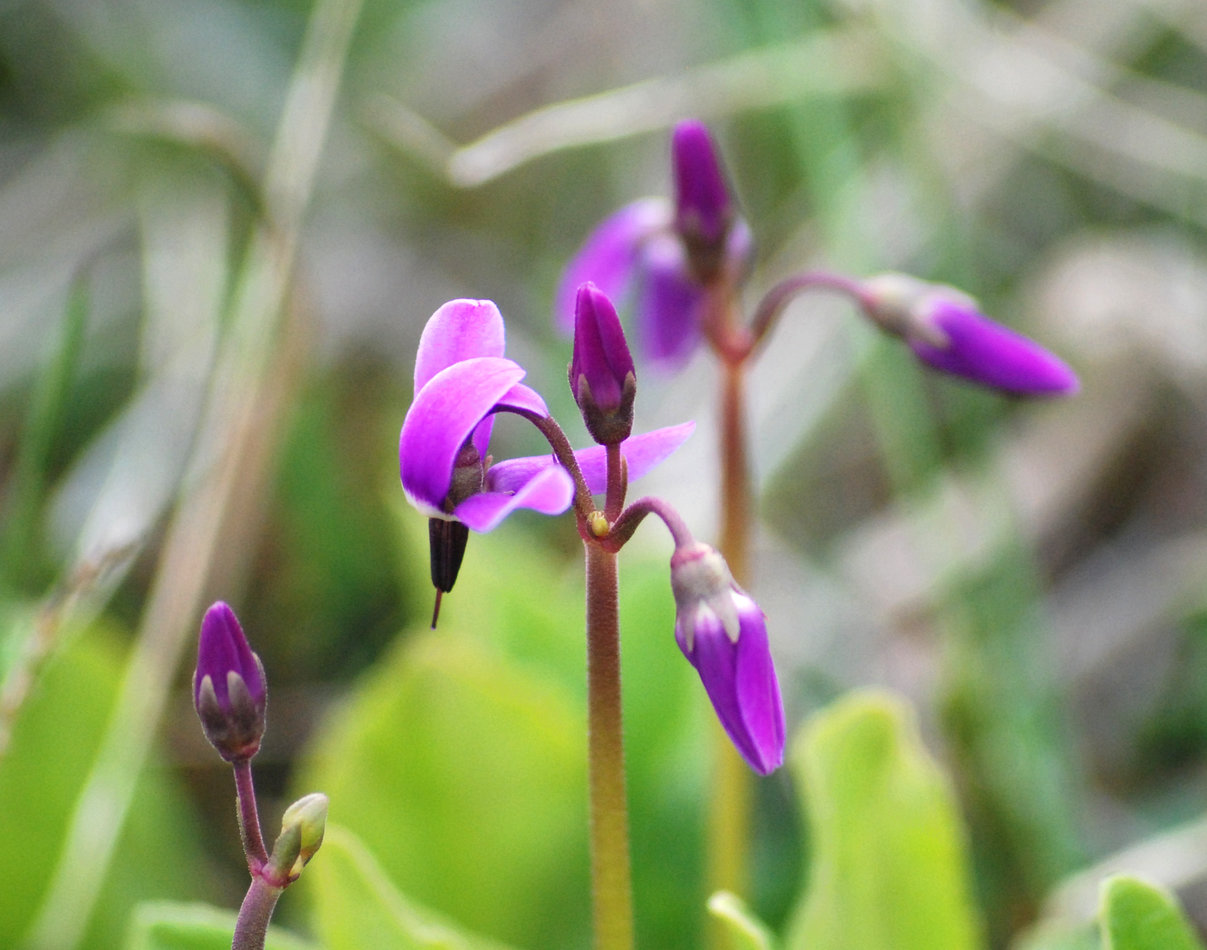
<point x="223" y="224"/>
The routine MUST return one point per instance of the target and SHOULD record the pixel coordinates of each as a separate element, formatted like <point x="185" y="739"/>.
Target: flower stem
<point x="249" y="818"/>
<point x="610" y="874"/>
<point x="730" y="804"/>
<point x="251" y="928"/>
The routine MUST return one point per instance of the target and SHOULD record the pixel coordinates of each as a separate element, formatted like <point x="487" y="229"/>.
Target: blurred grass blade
<point x="20" y="541"/>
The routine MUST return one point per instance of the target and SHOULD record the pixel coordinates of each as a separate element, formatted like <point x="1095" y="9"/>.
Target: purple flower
<point x="665" y="254"/>
<point x="723" y="633"/>
<point x="461" y="380"/>
<point x="946" y="331"/>
<point x="602" y="377"/>
<point x="229" y="691"/>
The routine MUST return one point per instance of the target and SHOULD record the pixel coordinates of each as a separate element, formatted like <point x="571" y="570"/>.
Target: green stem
<point x="610" y="873"/>
<point x="251" y="928"/>
<point x="730" y="804"/>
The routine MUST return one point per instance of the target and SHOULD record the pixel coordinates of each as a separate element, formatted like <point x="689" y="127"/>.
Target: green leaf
<point x="358" y="906"/>
<point x="466" y="776"/>
<point x="889" y="866"/>
<point x="1136" y="915"/>
<point x="170" y="925"/>
<point x="746" y="931"/>
<point x="52" y="747"/>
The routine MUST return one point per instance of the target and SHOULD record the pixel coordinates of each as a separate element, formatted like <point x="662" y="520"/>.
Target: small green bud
<point x="302" y="828"/>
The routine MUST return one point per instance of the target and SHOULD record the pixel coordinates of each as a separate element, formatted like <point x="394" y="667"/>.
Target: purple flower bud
<point x="229" y="691"/>
<point x="946" y="331"/>
<point x="703" y="207"/>
<point x="723" y="633"/>
<point x="602" y="377"/>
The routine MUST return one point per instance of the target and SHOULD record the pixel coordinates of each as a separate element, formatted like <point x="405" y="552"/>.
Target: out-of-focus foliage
<point x="1138" y="916"/>
<point x="889" y="864"/>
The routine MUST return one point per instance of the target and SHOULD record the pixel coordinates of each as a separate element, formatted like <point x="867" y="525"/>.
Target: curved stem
<point x="779" y="296"/>
<point x="249" y="818"/>
<point x="628" y="520"/>
<point x="251" y="929"/>
<point x="610" y="874"/>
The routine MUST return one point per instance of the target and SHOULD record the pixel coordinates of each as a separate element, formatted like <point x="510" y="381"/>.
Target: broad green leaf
<point x="888" y="860"/>
<point x="53" y="743"/>
<point x="746" y="932"/>
<point x="1136" y="915"/>
<point x="358" y="906"/>
<point x="170" y="925"/>
<point x="465" y="775"/>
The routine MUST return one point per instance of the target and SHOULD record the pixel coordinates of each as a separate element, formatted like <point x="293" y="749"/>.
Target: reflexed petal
<point x="549" y="491"/>
<point x="609" y="256"/>
<point x="643" y="453"/>
<point x="988" y="353"/>
<point x="740" y="681"/>
<point x="524" y="399"/>
<point x="668" y="303"/>
<point x="759" y="694"/>
<point x="459" y="330"/>
<point x="444" y="413"/>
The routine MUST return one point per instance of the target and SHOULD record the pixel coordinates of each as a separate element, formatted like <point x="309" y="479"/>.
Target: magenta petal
<point x="549" y="491"/>
<point x="643" y="453"/>
<point x="993" y="355"/>
<point x="703" y="208"/>
<point x="609" y="256"/>
<point x="444" y="413"/>
<point x="525" y="400"/>
<point x="459" y="330"/>
<point x="668" y="303"/>
<point x="222" y="649"/>
<point x="741" y="683"/>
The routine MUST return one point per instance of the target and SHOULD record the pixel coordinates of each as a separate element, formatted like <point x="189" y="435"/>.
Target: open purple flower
<point x="723" y="633"/>
<point x="461" y="380"/>
<point x="946" y="330"/>
<point x="229" y="691"/>
<point x="664" y="253"/>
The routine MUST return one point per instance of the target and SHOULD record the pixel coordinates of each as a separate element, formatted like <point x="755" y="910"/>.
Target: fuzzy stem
<point x="617" y="478"/>
<point x="249" y="818"/>
<point x="251" y="928"/>
<point x="610" y="874"/>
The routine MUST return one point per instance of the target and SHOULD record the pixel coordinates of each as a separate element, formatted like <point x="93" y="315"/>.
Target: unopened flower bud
<point x="302" y="829"/>
<point x="229" y="690"/>
<point x="704" y="209"/>
<point x="723" y="633"/>
<point x="602" y="376"/>
<point x="946" y="330"/>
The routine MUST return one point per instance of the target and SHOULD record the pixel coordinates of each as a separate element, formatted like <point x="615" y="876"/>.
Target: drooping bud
<point x="723" y="633"/>
<point x="229" y="689"/>
<point x="302" y="829"/>
<point x="704" y="210"/>
<point x="946" y="330"/>
<point x="602" y="376"/>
